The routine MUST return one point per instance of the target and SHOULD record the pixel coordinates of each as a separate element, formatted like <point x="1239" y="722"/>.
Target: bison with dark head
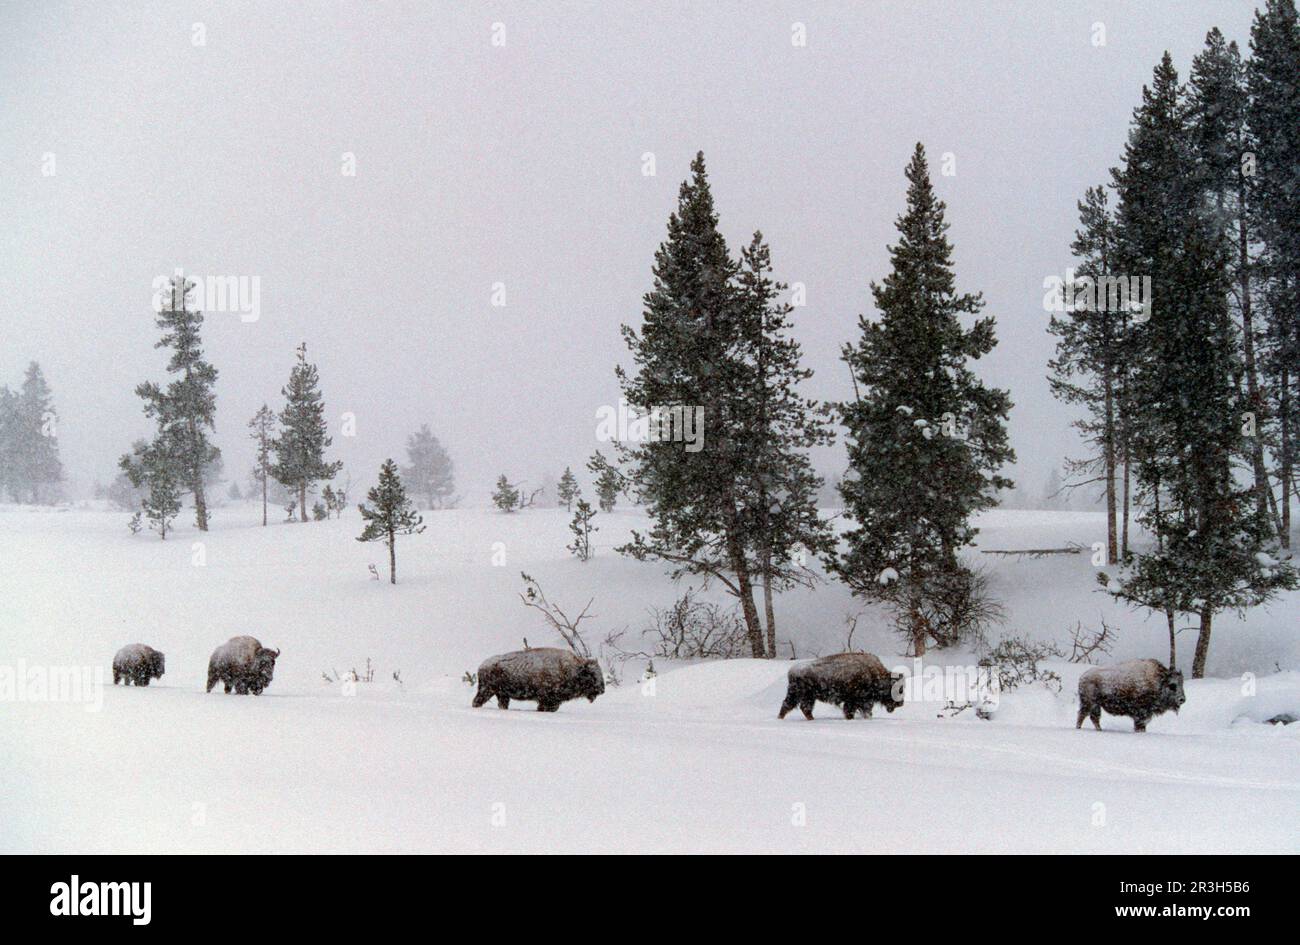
<point x="242" y="664"/>
<point x="1140" y="689"/>
<point x="544" y="674"/>
<point x="137" y="663"/>
<point x="853" y="681"/>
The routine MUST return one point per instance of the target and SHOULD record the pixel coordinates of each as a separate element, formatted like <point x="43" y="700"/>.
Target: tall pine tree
<point x="925" y="436"/>
<point x="430" y="472"/>
<point x="1273" y="116"/>
<point x="300" y="448"/>
<point x="1089" y="365"/>
<point x="1187" y="405"/>
<point x="684" y="357"/>
<point x="185" y="409"/>
<point x="781" y="519"/>
<point x="263" y="435"/>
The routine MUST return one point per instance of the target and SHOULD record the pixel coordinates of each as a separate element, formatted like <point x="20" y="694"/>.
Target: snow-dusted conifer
<point x="303" y="438"/>
<point x="388" y="514"/>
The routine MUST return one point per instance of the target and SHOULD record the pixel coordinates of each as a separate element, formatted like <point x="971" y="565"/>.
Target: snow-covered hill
<point x="694" y="761"/>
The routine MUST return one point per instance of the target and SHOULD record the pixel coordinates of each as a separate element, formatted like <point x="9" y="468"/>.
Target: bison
<point x="1139" y="689"/>
<point x="242" y="664"/>
<point x="137" y="663"/>
<point x="545" y="674"/>
<point x="853" y="681"/>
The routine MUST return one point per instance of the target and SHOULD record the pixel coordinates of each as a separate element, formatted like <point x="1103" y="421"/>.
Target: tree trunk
<point x="1124" y="536"/>
<point x="1112" y="548"/>
<point x="769" y="610"/>
<point x="1202" y="644"/>
<point x="392" y="558"/>
<point x="302" y="499"/>
<point x="1284" y="408"/>
<point x="264" y="474"/>
<point x="736" y="557"/>
<point x="1248" y="350"/>
<point x="1173" y="644"/>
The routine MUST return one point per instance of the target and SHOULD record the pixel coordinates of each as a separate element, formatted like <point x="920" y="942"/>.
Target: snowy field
<point x="698" y="762"/>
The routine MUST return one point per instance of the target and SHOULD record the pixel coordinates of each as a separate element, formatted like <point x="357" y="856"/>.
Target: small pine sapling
<point x="582" y="528"/>
<point x="389" y="514"/>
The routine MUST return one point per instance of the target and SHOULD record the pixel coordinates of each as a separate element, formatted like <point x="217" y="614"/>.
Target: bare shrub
<point x="691" y="629"/>
<point x="951" y="607"/>
<point x="1014" y="662"/>
<point x="1086" y="643"/>
<point x="533" y="596"/>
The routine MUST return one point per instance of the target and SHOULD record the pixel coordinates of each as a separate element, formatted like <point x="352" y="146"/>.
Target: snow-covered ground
<point x="695" y="762"/>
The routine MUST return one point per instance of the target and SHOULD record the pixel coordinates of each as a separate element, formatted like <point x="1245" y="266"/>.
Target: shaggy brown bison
<point x="137" y="663"/>
<point x="242" y="664"/>
<point x="545" y="674"/>
<point x="1139" y="689"/>
<point x="853" y="681"/>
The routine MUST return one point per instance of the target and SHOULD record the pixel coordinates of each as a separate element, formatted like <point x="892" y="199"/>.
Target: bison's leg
<point x="791" y="700"/>
<point x="117" y="677"/>
<point x="241" y="687"/>
<point x="142" y="680"/>
<point x="1083" y="714"/>
<point x="1140" y="722"/>
<point x="503" y="701"/>
<point x="212" y="680"/>
<point x="849" y="710"/>
<point x="1095" y="715"/>
<point x="806" y="707"/>
<point x="866" y="710"/>
<point x="547" y="706"/>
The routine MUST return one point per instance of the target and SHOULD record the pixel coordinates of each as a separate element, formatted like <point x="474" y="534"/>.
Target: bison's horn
<point x="276" y="653"/>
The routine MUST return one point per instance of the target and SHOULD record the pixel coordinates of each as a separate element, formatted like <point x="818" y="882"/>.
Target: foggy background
<point x="522" y="165"/>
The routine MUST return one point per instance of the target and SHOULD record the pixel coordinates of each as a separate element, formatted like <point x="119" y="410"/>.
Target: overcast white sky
<point x="521" y="164"/>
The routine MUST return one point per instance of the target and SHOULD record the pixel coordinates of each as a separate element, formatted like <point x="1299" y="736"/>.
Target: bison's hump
<point x="542" y="659"/>
<point x="1127" y="674"/>
<point x="841" y="666"/>
<point x="134" y="652"/>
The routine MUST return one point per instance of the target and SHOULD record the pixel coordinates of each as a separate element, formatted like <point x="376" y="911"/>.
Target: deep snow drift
<point x="694" y="760"/>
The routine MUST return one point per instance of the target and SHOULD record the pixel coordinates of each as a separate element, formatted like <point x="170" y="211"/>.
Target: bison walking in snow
<point x="242" y="664"/>
<point x="137" y="663"/>
<point x="853" y="681"/>
<point x="545" y="674"/>
<point x="1140" y="689"/>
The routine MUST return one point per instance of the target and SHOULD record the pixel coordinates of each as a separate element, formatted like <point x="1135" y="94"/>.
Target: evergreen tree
<point x="1089" y="367"/>
<point x="28" y="437"/>
<point x="263" y="435"/>
<point x="430" y="472"/>
<point x="1215" y="112"/>
<point x="925" y="436"/>
<point x="389" y="514"/>
<point x="582" y="528"/>
<point x="1273" y="116"/>
<point x="185" y="410"/>
<point x="506" y="496"/>
<point x="300" y="447"/>
<point x="1186" y="407"/>
<point x="8" y="441"/>
<point x="155" y="472"/>
<point x="568" y="489"/>
<point x="608" y="481"/>
<point x="781" y="520"/>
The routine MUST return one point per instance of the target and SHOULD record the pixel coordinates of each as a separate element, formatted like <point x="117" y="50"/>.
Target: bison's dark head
<point x="894" y="698"/>
<point x="264" y="664"/>
<point x="591" y="680"/>
<point x="158" y="666"/>
<point x="1171" y="690"/>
